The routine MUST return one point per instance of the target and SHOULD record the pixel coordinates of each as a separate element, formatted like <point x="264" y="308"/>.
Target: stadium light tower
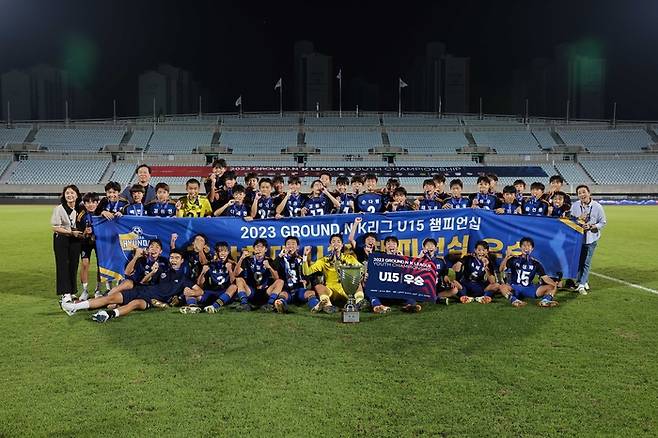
<point x="340" y="92"/>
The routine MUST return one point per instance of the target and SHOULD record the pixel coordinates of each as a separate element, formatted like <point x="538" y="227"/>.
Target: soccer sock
<point x="114" y="313"/>
<point x="204" y="297"/>
<point x="243" y="297"/>
<point x="224" y="299"/>
<point x="374" y="302"/>
<point x="410" y="302"/>
<point x="511" y="298"/>
<point x="488" y="293"/>
<point x="547" y="298"/>
<point x="273" y="298"/>
<point x="81" y="305"/>
<point x="85" y="286"/>
<point x="312" y="302"/>
<point x="108" y="285"/>
<point x="191" y="301"/>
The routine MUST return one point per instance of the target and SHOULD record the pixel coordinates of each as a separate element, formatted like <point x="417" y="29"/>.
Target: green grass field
<point x="588" y="367"/>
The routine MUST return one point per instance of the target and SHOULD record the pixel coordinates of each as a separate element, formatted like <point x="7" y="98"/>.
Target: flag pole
<point x="340" y="93"/>
<point x="281" y="98"/>
<point x="399" y="98"/>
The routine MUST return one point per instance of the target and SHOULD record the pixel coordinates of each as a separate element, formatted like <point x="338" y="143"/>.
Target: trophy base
<point x="349" y="316"/>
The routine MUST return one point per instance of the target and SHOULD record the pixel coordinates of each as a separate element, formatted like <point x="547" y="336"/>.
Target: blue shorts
<point x="138" y="293"/>
<point x="525" y="291"/>
<point x="474" y="288"/>
<point x="212" y="295"/>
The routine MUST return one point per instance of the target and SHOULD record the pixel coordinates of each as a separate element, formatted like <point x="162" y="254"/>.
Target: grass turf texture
<point x="588" y="367"/>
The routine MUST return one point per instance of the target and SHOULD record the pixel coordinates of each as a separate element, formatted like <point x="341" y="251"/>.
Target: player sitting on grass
<point x="289" y="263"/>
<point x="161" y="206"/>
<point x="392" y="247"/>
<point x="256" y="278"/>
<point x="331" y="289"/>
<point x="140" y="266"/>
<point x="171" y="283"/>
<point x="524" y="269"/>
<point x="90" y="201"/>
<point x="445" y="287"/>
<point x="509" y="205"/>
<point x="196" y="254"/>
<point x="475" y="275"/>
<point x="217" y="281"/>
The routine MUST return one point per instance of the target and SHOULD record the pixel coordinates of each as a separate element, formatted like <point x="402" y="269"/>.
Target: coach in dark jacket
<point x="143" y="173"/>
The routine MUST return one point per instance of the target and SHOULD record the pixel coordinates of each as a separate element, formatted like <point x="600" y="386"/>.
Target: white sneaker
<point x="581" y="289"/>
<point x="67" y="298"/>
<point x="587" y="286"/>
<point x="84" y="296"/>
<point x="98" y="294"/>
<point x="68" y="307"/>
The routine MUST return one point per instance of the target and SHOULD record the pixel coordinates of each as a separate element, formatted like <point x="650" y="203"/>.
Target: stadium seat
<point x="58" y="172"/>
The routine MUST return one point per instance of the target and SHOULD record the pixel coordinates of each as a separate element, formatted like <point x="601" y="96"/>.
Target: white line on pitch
<point x="637" y="286"/>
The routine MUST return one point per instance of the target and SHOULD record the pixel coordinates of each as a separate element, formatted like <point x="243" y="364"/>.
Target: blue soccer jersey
<point x="346" y="203"/>
<point x="524" y="270"/>
<point x="560" y="211"/>
<point x="266" y="208"/>
<point x="460" y="202"/>
<point x="318" y="206"/>
<point x="134" y="210"/>
<point x="256" y="274"/>
<point x="236" y="210"/>
<point x="510" y="208"/>
<point x="144" y="266"/>
<point x="192" y="265"/>
<point x="294" y="205"/>
<point x="430" y="203"/>
<point x="161" y="209"/>
<point x="370" y="202"/>
<point x="473" y="269"/>
<point x="486" y="201"/>
<point x="290" y="270"/>
<point x="534" y="207"/>
<point x="112" y="206"/>
<point x="217" y="277"/>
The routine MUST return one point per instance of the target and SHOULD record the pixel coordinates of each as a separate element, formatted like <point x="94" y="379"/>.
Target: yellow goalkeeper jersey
<point x="200" y="207"/>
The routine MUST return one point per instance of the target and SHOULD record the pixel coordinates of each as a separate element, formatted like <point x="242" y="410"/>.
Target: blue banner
<point x="400" y="277"/>
<point x="557" y="241"/>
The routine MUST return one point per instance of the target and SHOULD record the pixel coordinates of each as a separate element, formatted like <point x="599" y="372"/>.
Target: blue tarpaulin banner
<point x="401" y="277"/>
<point x="557" y="241"/>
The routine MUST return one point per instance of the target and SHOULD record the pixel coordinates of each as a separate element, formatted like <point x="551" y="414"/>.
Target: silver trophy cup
<point x="350" y="278"/>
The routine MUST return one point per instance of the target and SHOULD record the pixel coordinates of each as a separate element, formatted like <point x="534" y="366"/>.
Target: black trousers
<point x="67" y="258"/>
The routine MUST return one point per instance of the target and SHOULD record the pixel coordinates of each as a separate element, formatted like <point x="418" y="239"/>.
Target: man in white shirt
<point x="591" y="216"/>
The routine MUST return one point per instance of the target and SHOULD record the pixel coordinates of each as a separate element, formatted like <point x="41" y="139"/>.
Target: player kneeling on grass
<point x="475" y="275"/>
<point x="217" y="281"/>
<point x="289" y="263"/>
<point x="445" y="287"/>
<point x="172" y="282"/>
<point x="255" y="276"/>
<point x="140" y="266"/>
<point x="524" y="269"/>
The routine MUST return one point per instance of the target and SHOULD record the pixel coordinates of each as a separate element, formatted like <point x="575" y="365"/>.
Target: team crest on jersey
<point x="136" y="238"/>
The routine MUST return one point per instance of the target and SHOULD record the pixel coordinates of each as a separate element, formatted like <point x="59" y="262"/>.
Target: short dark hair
<point x="222" y="243"/>
<point x="393" y="182"/>
<point x="560" y="193"/>
<point x="163" y="186"/>
<point x="137" y="188"/>
<point x="482" y="243"/>
<point x="492" y="177"/>
<point x="73" y="187"/>
<point x="219" y="163"/>
<point x="277" y="179"/>
<point x="261" y="241"/>
<point x="249" y="176"/>
<point x="201" y="235"/>
<point x="429" y="240"/>
<point x="324" y="172"/>
<point x="527" y="239"/>
<point x="519" y="181"/>
<point x="556" y="178"/>
<point x="429" y="182"/>
<point x="509" y="189"/>
<point x="483" y="178"/>
<point x="316" y="181"/>
<point x="371" y="176"/>
<point x="370" y="234"/>
<point x="391" y="239"/>
<point x="342" y="180"/>
<point x="229" y="175"/>
<point x="583" y="186"/>
<point x="264" y="180"/>
<point x="112" y="185"/>
<point x="156" y="241"/>
<point x="143" y="165"/>
<point x="294" y="180"/>
<point x="177" y="251"/>
<point x="238" y="189"/>
<point x="357" y="178"/>
<point x="295" y="238"/>
<point x="400" y="191"/>
<point x="537" y="186"/>
<point x="192" y="181"/>
<point x="90" y="197"/>
<point x="457" y="182"/>
<point x="340" y="236"/>
<point x="439" y="177"/>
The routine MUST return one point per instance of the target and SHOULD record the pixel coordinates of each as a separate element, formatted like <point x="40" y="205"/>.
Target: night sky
<point x="235" y="48"/>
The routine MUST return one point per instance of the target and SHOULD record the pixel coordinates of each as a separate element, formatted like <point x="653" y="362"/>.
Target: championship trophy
<point x="350" y="278"/>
